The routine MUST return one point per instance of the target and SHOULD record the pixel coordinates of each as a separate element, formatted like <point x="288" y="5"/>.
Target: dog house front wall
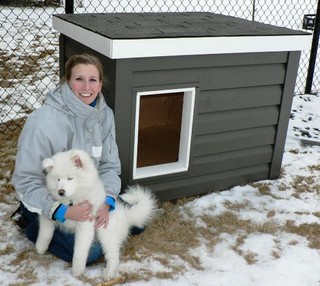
<point x="240" y="114"/>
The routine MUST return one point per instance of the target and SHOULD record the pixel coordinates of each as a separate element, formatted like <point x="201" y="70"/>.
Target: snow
<point x="280" y="258"/>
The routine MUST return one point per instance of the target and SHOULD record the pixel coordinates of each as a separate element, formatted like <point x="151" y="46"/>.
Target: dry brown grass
<point x="17" y="67"/>
<point x="169" y="234"/>
<point x="249" y="256"/>
<point x="305" y="184"/>
<point x="8" y="143"/>
<point x="314" y="168"/>
<point x="308" y="230"/>
<point x="265" y="189"/>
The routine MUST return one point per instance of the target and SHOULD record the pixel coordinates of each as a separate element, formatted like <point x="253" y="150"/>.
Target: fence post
<point x="253" y="10"/>
<point x="313" y="52"/>
<point x="69" y="7"/>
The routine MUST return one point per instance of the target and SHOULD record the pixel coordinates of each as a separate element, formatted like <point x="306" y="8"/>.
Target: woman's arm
<point x="28" y="178"/>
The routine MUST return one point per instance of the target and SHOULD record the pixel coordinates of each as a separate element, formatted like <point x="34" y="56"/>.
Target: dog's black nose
<point x="61" y="192"/>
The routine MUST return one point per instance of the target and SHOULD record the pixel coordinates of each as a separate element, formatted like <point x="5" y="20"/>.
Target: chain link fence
<point x="29" y="47"/>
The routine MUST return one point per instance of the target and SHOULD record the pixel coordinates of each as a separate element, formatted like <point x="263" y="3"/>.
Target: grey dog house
<point x="201" y="101"/>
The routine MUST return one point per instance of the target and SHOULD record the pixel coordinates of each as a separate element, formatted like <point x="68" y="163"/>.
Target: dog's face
<point x="65" y="174"/>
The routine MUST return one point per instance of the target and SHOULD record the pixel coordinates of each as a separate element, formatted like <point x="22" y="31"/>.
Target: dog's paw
<point x="41" y="248"/>
<point x="106" y="276"/>
<point x="77" y="270"/>
<point x="109" y="273"/>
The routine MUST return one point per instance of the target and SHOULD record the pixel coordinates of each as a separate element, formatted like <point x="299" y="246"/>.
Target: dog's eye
<point x="58" y="179"/>
<point x="70" y="178"/>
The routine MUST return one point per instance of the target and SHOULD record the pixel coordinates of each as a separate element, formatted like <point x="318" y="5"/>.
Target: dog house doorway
<point x="163" y="129"/>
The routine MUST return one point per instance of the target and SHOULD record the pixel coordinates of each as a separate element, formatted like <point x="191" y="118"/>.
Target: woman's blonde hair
<point x="85" y="59"/>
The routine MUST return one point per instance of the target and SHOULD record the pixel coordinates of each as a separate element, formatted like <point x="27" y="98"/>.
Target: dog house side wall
<point x="242" y="110"/>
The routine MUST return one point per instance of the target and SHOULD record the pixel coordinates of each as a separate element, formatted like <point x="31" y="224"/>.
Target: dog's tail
<point x="141" y="205"/>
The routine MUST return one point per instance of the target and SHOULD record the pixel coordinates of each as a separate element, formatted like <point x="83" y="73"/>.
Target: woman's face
<point x="85" y="82"/>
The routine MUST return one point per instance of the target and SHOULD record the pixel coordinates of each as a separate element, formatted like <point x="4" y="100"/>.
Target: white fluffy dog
<point x="72" y="178"/>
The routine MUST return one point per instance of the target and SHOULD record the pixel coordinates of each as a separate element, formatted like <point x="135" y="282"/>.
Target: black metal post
<point x="313" y="52"/>
<point x="69" y="7"/>
<point x="253" y="10"/>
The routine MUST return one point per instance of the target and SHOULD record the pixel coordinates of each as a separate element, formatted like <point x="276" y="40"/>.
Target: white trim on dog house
<point x="182" y="163"/>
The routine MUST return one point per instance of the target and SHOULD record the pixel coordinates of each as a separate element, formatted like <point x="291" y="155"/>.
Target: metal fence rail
<point x="29" y="45"/>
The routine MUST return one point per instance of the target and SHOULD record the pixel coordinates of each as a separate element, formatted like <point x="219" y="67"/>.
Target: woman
<point x="73" y="116"/>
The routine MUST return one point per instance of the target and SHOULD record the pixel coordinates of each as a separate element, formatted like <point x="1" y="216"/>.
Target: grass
<point x="308" y="230"/>
<point x="305" y="184"/>
<point x="19" y="67"/>
<point x="265" y="189"/>
<point x="8" y="143"/>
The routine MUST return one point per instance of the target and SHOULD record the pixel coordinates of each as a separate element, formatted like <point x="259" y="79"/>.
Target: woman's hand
<point x="102" y="217"/>
<point x="79" y="212"/>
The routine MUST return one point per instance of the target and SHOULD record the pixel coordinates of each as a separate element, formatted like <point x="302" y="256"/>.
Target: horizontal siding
<point x="170" y="189"/>
<point x="233" y="140"/>
<point x="238" y="98"/>
<point x="209" y="123"/>
<point x="233" y="160"/>
<point x="201" y="61"/>
<point x="215" y="77"/>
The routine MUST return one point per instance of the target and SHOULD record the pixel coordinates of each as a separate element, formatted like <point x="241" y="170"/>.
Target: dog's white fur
<point x="74" y="176"/>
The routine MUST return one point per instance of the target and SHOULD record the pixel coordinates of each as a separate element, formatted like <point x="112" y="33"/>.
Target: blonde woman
<point x="73" y="116"/>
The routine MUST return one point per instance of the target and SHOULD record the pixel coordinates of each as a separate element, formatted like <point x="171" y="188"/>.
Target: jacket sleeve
<point x="109" y="167"/>
<point x="28" y="178"/>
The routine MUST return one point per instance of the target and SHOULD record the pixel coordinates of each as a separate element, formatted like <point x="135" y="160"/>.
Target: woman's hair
<point x="85" y="59"/>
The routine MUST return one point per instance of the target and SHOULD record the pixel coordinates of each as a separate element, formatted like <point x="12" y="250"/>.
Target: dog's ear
<point x="47" y="165"/>
<point x="77" y="161"/>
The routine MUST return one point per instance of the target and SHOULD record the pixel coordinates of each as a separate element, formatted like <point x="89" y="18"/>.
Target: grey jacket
<point x="64" y="122"/>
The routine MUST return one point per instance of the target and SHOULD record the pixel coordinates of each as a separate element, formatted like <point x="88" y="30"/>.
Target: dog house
<point x="201" y="101"/>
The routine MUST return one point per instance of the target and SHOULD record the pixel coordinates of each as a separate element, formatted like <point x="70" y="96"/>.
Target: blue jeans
<point x="62" y="243"/>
